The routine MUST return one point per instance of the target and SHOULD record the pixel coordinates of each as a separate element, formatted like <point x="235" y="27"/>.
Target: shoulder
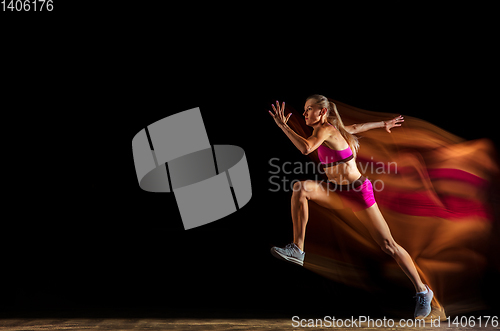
<point x="327" y="129"/>
<point x="325" y="132"/>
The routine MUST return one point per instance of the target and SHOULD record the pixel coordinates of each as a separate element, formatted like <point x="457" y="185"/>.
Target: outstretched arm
<point x="388" y="125"/>
<point x="305" y="146"/>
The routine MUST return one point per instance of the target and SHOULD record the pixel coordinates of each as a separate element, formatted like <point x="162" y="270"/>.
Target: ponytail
<point x="333" y="117"/>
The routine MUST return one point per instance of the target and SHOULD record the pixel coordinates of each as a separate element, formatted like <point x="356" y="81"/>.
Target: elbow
<point x="353" y="129"/>
<point x="306" y="151"/>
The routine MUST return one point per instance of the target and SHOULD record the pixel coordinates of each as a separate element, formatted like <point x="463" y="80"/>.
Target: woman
<point x="346" y="187"/>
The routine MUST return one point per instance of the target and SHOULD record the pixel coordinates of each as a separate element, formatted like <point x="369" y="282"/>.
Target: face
<point x="312" y="112"/>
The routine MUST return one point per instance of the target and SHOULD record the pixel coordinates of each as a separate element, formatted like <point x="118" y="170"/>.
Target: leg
<point x="302" y="193"/>
<point x="373" y="219"/>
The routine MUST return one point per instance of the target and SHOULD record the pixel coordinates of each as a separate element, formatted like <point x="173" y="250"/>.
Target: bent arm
<point x="305" y="146"/>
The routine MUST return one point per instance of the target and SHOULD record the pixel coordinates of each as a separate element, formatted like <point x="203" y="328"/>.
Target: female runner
<point x="346" y="187"/>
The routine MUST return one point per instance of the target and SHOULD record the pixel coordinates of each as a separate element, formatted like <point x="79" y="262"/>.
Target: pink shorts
<point x="357" y="195"/>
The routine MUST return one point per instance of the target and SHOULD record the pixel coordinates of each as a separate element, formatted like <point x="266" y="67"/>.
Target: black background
<point x="81" y="236"/>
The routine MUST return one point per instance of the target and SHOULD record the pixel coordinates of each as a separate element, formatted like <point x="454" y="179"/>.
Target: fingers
<point x="395" y="122"/>
<point x="282" y="108"/>
<point x="279" y="111"/>
<point x="276" y="112"/>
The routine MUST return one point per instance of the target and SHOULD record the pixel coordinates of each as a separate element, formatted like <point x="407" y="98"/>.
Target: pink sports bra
<point x="330" y="157"/>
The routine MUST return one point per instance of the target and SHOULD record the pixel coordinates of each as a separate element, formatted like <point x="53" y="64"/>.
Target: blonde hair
<point x="333" y="117"/>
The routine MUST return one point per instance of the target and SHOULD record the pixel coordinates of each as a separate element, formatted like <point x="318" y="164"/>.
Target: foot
<point x="290" y="253"/>
<point x="423" y="307"/>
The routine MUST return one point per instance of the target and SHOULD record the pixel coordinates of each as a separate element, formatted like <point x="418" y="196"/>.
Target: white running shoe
<point x="290" y="253"/>
<point x="423" y="307"/>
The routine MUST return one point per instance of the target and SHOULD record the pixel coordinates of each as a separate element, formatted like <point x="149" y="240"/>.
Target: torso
<point x="343" y="173"/>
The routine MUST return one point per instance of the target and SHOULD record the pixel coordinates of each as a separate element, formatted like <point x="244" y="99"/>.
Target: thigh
<point x="375" y="222"/>
<point x="318" y="192"/>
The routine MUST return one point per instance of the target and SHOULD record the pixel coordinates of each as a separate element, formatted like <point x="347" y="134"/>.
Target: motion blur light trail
<point x="439" y="206"/>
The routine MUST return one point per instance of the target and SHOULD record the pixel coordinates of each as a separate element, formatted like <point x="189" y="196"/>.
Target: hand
<point x="279" y="115"/>
<point x="393" y="123"/>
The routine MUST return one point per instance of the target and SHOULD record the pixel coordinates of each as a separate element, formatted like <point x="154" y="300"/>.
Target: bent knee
<point x="390" y="247"/>
<point x="303" y="189"/>
<point x="297" y="187"/>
